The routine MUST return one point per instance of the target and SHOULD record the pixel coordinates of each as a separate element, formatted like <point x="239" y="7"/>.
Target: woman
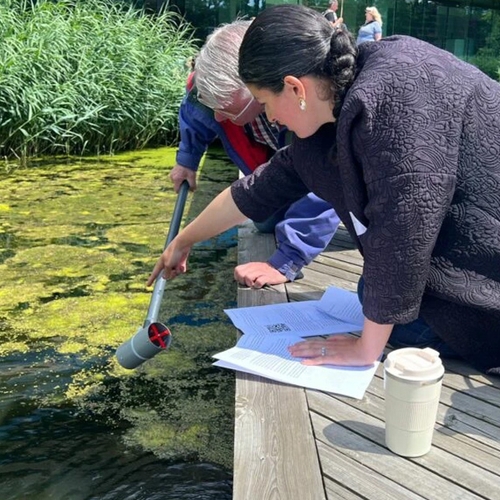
<point x="402" y="139"/>
<point x="371" y="31"/>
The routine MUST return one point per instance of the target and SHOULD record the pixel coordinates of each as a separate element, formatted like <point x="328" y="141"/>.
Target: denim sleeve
<point x="195" y="131"/>
<point x="307" y="228"/>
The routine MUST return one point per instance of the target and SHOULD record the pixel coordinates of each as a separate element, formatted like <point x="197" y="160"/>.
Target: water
<point x="77" y="242"/>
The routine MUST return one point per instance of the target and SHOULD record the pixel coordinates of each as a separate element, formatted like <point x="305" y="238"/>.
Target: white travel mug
<point x="412" y="380"/>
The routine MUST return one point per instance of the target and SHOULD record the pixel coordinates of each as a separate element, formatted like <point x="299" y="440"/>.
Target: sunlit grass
<point x="88" y="76"/>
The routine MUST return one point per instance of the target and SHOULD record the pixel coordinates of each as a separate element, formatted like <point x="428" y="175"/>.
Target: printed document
<point x="267" y="355"/>
<point x="338" y="311"/>
<point x="270" y="329"/>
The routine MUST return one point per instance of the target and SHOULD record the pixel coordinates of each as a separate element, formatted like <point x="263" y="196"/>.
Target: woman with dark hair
<point x="402" y="139"/>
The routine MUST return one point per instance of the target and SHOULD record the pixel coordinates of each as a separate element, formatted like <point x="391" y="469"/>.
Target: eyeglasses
<point x="227" y="114"/>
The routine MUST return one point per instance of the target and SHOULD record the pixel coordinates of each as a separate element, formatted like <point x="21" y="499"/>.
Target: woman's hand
<point x="221" y="214"/>
<point x="342" y="350"/>
<point x="345" y="350"/>
<point x="172" y="262"/>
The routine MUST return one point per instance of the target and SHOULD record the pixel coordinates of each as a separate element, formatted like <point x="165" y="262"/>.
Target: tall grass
<point x="88" y="76"/>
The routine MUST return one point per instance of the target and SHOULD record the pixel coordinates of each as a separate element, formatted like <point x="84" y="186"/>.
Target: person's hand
<point x="342" y="350"/>
<point x="339" y="22"/>
<point x="172" y="262"/>
<point x="258" y="274"/>
<point x="179" y="174"/>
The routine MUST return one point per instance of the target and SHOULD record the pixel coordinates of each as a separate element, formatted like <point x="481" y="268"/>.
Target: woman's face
<point x="283" y="108"/>
<point x="369" y="17"/>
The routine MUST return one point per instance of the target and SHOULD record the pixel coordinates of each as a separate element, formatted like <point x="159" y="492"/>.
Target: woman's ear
<point x="295" y="85"/>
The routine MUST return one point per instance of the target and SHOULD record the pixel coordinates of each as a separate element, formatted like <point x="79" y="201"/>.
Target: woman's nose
<point x="270" y="117"/>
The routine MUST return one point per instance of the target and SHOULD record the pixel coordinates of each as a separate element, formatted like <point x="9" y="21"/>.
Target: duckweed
<point x="78" y="241"/>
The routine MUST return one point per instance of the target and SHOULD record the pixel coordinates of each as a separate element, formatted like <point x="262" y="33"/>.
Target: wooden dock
<point x="299" y="444"/>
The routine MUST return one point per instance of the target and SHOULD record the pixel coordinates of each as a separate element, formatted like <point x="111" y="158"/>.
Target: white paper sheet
<point x="338" y="311"/>
<point x="267" y="355"/>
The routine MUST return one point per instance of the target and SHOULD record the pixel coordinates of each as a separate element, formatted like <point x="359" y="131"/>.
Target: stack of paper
<point x="269" y="330"/>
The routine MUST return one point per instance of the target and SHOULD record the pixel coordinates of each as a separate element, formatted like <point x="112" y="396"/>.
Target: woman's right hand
<point x="172" y="262"/>
<point x="220" y="215"/>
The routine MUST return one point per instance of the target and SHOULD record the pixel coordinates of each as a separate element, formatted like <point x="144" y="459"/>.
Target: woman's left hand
<point x="343" y="350"/>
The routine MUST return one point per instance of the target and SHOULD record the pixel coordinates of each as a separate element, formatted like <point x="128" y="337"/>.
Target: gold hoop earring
<point x="302" y="104"/>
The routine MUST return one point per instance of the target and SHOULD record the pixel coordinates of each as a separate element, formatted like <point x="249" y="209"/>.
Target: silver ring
<point x="323" y="351"/>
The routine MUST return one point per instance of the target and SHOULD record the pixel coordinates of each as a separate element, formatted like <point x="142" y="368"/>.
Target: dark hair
<point x="297" y="41"/>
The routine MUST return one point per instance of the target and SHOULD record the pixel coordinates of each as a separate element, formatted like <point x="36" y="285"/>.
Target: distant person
<point x="371" y="31"/>
<point x="331" y="14"/>
<point x="218" y="105"/>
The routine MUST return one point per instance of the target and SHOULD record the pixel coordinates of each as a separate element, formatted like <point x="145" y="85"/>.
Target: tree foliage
<point x="487" y="58"/>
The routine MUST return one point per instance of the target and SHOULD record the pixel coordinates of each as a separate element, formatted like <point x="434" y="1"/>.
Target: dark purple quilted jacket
<point x="417" y="183"/>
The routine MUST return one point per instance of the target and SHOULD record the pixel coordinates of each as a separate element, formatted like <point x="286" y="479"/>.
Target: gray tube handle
<point x="159" y="286"/>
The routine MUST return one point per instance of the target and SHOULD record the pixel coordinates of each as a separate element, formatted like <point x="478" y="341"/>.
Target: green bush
<point x="88" y="76"/>
<point x="488" y="64"/>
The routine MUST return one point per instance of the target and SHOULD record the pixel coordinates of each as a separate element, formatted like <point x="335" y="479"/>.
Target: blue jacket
<point x="308" y="225"/>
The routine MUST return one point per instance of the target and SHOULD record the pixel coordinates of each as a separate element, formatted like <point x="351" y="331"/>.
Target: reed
<point x="88" y="76"/>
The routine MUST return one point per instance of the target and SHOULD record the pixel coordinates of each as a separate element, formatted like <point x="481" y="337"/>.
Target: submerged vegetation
<point x="79" y="237"/>
<point x="88" y="76"/>
<point x="78" y="240"/>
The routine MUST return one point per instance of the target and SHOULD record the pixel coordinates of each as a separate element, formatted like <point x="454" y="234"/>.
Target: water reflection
<point x="77" y="241"/>
<point x="78" y="460"/>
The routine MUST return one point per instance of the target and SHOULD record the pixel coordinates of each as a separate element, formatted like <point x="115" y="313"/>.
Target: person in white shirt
<point x="331" y="13"/>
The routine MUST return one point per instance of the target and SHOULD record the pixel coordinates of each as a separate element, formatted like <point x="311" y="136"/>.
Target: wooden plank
<point x="330" y="263"/>
<point x="460" y="415"/>
<point x="252" y="245"/>
<point x="474" y="387"/>
<point x="473" y="440"/>
<point x="335" y="491"/>
<point x="322" y="280"/>
<point x="334" y="271"/>
<point x="435" y="476"/>
<point x="471" y="430"/>
<point x="471" y="373"/>
<point x="302" y="291"/>
<point x="275" y="454"/>
<point x="352" y="257"/>
<point x="349" y="471"/>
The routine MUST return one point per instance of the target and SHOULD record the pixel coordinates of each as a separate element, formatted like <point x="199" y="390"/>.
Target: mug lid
<point x="414" y="364"/>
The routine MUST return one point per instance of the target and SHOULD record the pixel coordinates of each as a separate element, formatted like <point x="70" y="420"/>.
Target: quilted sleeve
<point x="401" y="152"/>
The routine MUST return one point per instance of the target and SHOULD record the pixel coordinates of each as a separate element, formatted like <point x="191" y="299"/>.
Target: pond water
<point x="78" y="239"/>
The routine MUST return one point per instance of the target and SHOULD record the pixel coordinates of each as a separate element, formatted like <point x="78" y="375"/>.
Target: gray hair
<point x="216" y="74"/>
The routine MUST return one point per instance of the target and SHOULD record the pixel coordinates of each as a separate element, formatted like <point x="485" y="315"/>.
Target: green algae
<point x="78" y="241"/>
